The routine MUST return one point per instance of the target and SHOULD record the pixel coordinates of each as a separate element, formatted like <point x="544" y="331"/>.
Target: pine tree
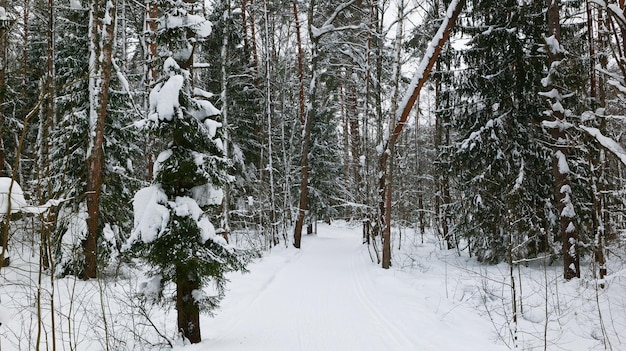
<point x="173" y="233"/>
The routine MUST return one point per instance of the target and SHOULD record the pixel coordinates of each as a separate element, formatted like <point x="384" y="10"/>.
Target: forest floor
<point x="329" y="295"/>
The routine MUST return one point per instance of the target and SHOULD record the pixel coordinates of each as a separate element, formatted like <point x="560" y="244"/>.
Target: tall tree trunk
<point x="301" y="101"/>
<point x="102" y="36"/>
<point x="442" y="139"/>
<point x="442" y="194"/>
<point x="151" y="16"/>
<point x="355" y="135"/>
<point x="304" y="157"/>
<point x="268" y="113"/>
<point x="307" y="126"/>
<point x="388" y="174"/>
<point x="47" y="123"/>
<point x="255" y="54"/>
<point x="596" y="162"/>
<point x="4" y="30"/>
<point x="560" y="168"/>
<point x="226" y="138"/>
<point x="301" y="98"/>
<point x="244" y="24"/>
<point x="315" y="36"/>
<point x="365" y="188"/>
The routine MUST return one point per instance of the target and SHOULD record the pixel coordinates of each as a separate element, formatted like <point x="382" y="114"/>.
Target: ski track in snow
<point x="329" y="296"/>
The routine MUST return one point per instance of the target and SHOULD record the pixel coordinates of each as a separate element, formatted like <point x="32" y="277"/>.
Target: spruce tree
<point x="498" y="157"/>
<point x="173" y="232"/>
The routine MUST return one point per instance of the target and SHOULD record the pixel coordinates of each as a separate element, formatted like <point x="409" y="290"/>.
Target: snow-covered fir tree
<point x="173" y="232"/>
<point x="498" y="158"/>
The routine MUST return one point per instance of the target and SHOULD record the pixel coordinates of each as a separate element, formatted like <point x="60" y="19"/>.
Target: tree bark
<point x="186" y="306"/>
<point x="355" y="135"/>
<point x="150" y="26"/>
<point x="104" y="33"/>
<point x="3" y="86"/>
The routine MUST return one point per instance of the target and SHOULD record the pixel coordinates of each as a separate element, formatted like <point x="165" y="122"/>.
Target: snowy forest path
<point x="328" y="296"/>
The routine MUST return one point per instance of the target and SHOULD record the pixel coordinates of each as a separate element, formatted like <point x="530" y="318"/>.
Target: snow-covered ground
<point x="329" y="296"/>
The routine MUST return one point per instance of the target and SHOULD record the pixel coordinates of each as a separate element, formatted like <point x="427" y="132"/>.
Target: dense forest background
<point x="511" y="151"/>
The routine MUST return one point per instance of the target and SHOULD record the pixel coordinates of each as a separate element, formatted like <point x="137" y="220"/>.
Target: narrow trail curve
<point x="327" y="296"/>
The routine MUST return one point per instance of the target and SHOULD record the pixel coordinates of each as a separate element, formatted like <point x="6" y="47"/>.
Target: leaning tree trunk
<point x="102" y="36"/>
<point x="401" y="114"/>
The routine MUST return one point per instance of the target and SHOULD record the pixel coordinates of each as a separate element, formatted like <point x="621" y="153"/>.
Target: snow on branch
<point x="423" y="71"/>
<point x="4" y="15"/>
<point x="608" y="143"/>
<point x="318" y="32"/>
<point x="553" y="45"/>
<point x="11" y="196"/>
<point x="617" y="12"/>
<point x="560" y="124"/>
<point x="617" y="85"/>
<point x="125" y="85"/>
<point x="475" y="137"/>
<point x="328" y="26"/>
<point x="151" y="214"/>
<point x="520" y="178"/>
<point x="12" y="199"/>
